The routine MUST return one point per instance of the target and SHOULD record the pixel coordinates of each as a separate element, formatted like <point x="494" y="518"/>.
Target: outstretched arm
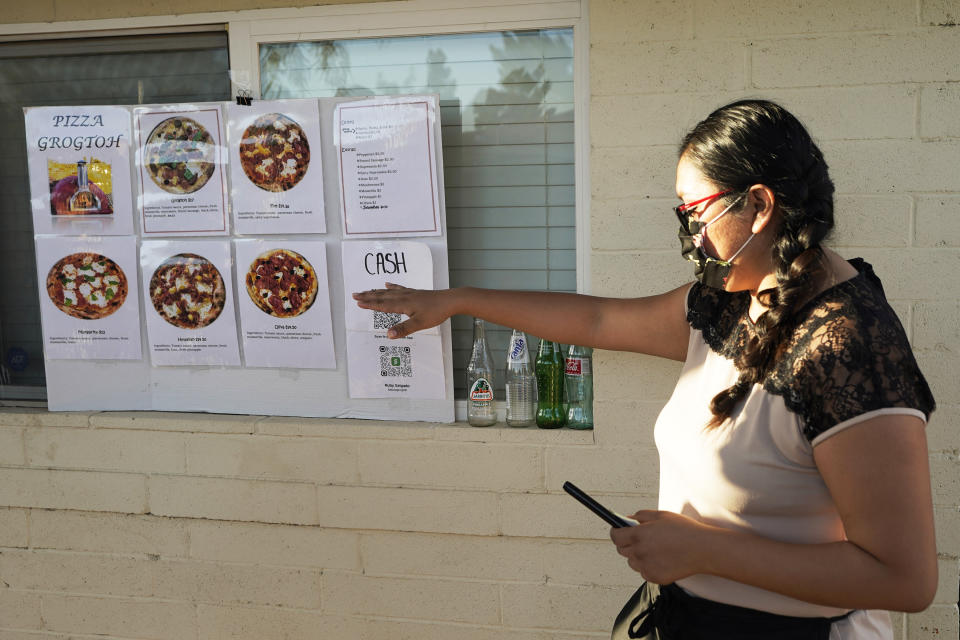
<point x="878" y="474"/>
<point x="654" y="325"/>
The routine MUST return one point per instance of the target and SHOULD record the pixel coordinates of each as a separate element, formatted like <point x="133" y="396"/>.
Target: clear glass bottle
<point x="521" y="383"/>
<point x="549" y="367"/>
<point x="579" y="381"/>
<point x="481" y="411"/>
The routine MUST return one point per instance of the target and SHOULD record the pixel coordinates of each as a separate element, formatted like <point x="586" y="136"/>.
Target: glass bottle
<point x="549" y="367"/>
<point x="579" y="381"/>
<point x="521" y="383"/>
<point x="481" y="411"/>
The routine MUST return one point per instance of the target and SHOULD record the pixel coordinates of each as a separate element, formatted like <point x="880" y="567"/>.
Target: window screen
<point x="118" y="70"/>
<point x="506" y="103"/>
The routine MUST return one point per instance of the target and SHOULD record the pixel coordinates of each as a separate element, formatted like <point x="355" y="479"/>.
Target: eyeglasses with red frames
<point x="683" y="212"/>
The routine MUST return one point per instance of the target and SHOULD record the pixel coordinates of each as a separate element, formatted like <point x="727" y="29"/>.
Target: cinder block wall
<point x="159" y="525"/>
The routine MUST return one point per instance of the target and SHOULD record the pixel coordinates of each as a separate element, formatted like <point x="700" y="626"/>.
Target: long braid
<point x="758" y="142"/>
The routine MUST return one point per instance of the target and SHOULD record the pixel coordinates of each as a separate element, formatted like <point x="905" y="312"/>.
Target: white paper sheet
<point x="369" y="264"/>
<point x="189" y="282"/>
<point x="89" y="303"/>
<point x="285" y="337"/>
<point x="387" y="166"/>
<point x="182" y="182"/>
<point x="62" y="144"/>
<point x="410" y="367"/>
<point x="275" y="167"/>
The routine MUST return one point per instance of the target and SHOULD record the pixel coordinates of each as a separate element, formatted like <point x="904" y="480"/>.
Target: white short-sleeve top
<point x="847" y="360"/>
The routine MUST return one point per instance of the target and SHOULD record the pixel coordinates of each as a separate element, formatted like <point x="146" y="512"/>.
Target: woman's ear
<point x="762" y="203"/>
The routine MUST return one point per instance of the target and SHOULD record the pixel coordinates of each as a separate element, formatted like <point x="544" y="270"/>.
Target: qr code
<point x="383" y="320"/>
<point x="395" y="362"/>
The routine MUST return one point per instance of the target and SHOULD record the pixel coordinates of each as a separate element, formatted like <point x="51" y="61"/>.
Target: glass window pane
<point x="122" y="70"/>
<point x="506" y="110"/>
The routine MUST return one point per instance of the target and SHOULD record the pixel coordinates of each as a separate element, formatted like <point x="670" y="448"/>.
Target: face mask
<point x="709" y="271"/>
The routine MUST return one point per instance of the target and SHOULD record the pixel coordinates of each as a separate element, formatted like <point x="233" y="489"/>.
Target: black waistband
<point x="669" y="613"/>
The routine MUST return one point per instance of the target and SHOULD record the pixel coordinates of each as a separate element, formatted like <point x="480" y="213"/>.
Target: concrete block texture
<point x="856" y="59"/>
<point x="625" y="21"/>
<point x="384" y="508"/>
<point x="14" y="527"/>
<point x="939" y="13"/>
<point x="666" y="67"/>
<point x="276" y="623"/>
<point x="938" y="110"/>
<point x="108" y="533"/>
<point x="938" y="622"/>
<point x="726" y="18"/>
<point x="641" y="273"/>
<point x="279" y="545"/>
<point x="11" y="447"/>
<point x="232" y="499"/>
<point x="120" y="617"/>
<point x="321" y="460"/>
<point x="934" y="221"/>
<point x="554" y="606"/>
<point x="20" y="609"/>
<point x="121" y="492"/>
<point x="416" y="598"/>
<point x="106" y="450"/>
<point x="452" y="465"/>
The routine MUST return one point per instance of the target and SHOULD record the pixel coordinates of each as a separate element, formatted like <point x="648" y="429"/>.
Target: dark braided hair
<point x="758" y="142"/>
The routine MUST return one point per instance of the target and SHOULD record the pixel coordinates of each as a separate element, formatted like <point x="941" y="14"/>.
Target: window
<point x="507" y="116"/>
<point x="112" y="70"/>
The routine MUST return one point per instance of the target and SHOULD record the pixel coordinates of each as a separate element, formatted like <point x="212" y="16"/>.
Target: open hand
<point x="425" y="308"/>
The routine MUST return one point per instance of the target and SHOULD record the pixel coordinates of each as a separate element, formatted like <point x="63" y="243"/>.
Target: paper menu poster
<point x="285" y="304"/>
<point x="180" y="161"/>
<point x="188" y="287"/>
<point x="410" y="367"/>
<point x="369" y="264"/>
<point x="89" y="305"/>
<point x="78" y="159"/>
<point x="275" y="168"/>
<point x="386" y="151"/>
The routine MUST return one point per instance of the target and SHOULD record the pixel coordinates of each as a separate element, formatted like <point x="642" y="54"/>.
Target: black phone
<point x="612" y="518"/>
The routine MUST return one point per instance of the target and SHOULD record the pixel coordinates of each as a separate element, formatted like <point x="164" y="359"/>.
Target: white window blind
<point x="507" y="116"/>
<point x="83" y="71"/>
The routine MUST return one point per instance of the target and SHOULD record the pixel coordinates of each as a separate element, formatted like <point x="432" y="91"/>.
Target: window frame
<point x="248" y="29"/>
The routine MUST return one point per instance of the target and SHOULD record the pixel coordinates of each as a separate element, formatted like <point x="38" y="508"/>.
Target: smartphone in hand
<point x="612" y="518"/>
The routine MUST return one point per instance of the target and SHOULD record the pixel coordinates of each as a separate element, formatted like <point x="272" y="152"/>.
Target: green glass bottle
<point x="549" y="368"/>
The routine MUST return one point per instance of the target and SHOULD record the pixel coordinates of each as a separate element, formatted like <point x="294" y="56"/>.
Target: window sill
<point x="289" y="426"/>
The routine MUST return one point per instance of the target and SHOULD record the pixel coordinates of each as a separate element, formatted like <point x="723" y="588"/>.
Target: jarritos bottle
<point x="549" y="368"/>
<point x="481" y="411"/>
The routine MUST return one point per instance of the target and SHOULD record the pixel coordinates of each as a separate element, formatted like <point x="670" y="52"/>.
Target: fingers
<point x="400" y="330"/>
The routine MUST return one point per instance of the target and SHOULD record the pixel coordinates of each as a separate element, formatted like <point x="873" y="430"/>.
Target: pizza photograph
<point x="180" y="155"/>
<point x="274" y="152"/>
<point x="188" y="291"/>
<point x="282" y="283"/>
<point x="87" y="285"/>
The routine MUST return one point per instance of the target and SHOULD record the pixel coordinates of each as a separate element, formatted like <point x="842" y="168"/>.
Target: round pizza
<point x="282" y="283"/>
<point x="187" y="291"/>
<point x="274" y="152"/>
<point x="180" y="155"/>
<point x="87" y="285"/>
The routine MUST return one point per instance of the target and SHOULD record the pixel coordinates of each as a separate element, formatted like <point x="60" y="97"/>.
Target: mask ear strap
<point x="742" y="247"/>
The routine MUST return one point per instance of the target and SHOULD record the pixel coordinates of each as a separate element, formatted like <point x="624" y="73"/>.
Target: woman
<point x="794" y="483"/>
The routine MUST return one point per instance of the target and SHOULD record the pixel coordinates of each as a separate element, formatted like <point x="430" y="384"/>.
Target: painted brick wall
<point x="163" y="525"/>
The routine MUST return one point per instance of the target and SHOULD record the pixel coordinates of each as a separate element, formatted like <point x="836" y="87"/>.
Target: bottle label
<point x="481" y="391"/>
<point x="575" y="367"/>
<point x="518" y="350"/>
